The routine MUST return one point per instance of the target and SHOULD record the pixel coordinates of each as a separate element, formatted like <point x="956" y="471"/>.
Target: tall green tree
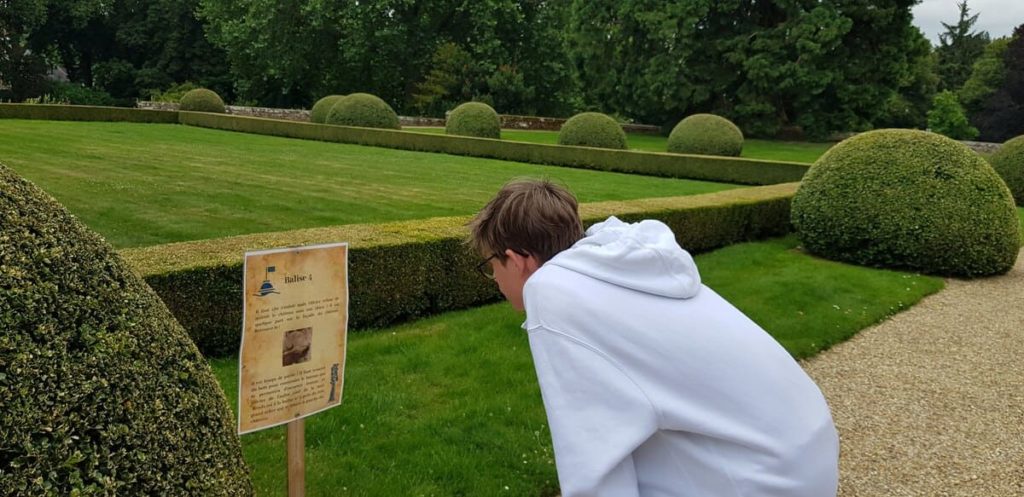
<point x="783" y="63"/>
<point x="291" y="53"/>
<point x="908" y="106"/>
<point x="641" y="59"/>
<point x="847" y="58"/>
<point x="373" y="51"/>
<point x="529" y="70"/>
<point x="1001" y="116"/>
<point x="160" y="43"/>
<point x="21" y="70"/>
<point x="821" y="65"/>
<point x="987" y="75"/>
<point x="449" y="81"/>
<point x="74" y="34"/>
<point x="947" y="118"/>
<point x="278" y="51"/>
<point x="122" y="46"/>
<point x="959" y="47"/>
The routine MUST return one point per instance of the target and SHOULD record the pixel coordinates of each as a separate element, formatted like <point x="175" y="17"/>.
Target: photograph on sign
<point x="295" y="319"/>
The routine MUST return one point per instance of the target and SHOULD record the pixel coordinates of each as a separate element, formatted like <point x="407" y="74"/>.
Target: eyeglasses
<point x="485" y="269"/>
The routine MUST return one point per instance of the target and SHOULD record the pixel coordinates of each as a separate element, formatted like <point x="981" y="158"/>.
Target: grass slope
<point x="146" y="184"/>
<point x="754" y="149"/>
<point x="1020" y="214"/>
<point x="449" y="405"/>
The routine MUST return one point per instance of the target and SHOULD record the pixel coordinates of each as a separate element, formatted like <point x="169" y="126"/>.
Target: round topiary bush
<point x="473" y="119"/>
<point x="363" y="110"/>
<point x="1008" y="161"/>
<point x="202" y="100"/>
<point x="322" y="107"/>
<point x="102" y="391"/>
<point x="706" y="134"/>
<point x="592" y="129"/>
<point x="907" y="199"/>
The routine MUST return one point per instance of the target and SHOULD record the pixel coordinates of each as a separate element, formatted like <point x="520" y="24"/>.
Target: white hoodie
<point x="655" y="386"/>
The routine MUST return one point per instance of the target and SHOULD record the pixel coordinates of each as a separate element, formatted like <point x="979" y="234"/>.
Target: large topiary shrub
<point x="102" y="391"/>
<point x="706" y="134"/>
<point x="202" y="100"/>
<point x="592" y="129"/>
<point x="322" y="107"/>
<point x="1008" y="161"/>
<point x="473" y="119"/>
<point x="907" y="199"/>
<point x="363" y="110"/>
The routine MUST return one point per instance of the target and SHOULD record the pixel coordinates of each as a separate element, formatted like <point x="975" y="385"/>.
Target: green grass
<point x="807" y="303"/>
<point x="444" y="406"/>
<point x="1020" y="214"/>
<point x="147" y="184"/>
<point x="754" y="149"/>
<point x="449" y="405"/>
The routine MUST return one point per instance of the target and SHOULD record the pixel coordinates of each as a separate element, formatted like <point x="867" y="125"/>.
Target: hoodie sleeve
<point x="598" y="416"/>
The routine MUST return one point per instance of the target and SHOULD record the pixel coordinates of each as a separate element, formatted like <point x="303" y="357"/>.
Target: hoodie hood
<point x="640" y="256"/>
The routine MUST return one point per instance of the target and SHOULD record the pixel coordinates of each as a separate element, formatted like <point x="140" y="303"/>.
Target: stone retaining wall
<point x="421" y="121"/>
<point x="288" y="114"/>
<point x="555" y="124"/>
<point x="982" y="147"/>
<point x="507" y="121"/>
<point x="979" y="147"/>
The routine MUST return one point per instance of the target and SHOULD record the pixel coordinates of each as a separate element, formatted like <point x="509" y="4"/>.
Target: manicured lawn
<point x="755" y="149"/>
<point x="449" y="405"/>
<point x="807" y="303"/>
<point x="147" y="184"/>
<point x="1020" y="214"/>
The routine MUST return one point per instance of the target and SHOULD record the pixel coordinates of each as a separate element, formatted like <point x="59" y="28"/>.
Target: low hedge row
<point x="408" y="269"/>
<point x="86" y="113"/>
<point x="722" y="169"/>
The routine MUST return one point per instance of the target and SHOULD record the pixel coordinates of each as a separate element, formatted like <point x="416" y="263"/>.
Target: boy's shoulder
<point x="553" y="279"/>
<point x="554" y="290"/>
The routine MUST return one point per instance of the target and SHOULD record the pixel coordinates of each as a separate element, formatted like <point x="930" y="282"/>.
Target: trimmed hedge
<point x="592" y="129"/>
<point x="708" y="168"/>
<point x="723" y="169"/>
<point x="706" y="134"/>
<point x="86" y="113"/>
<point x="1008" y="161"/>
<point x="363" y="110"/>
<point x="908" y="199"/>
<point x="408" y="269"/>
<point x="202" y="100"/>
<point x="473" y="119"/>
<point x="322" y="107"/>
<point x="102" y="391"/>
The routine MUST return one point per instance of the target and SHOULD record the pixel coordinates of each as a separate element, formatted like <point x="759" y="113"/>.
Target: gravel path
<point x="931" y="402"/>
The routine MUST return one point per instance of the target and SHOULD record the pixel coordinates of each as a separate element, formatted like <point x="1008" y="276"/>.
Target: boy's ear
<point x="515" y="259"/>
<point x="523" y="263"/>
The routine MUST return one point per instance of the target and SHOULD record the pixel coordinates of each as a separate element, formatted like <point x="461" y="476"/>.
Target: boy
<point x="654" y="385"/>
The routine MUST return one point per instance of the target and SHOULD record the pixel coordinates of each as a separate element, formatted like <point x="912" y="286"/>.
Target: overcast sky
<point x="998" y="17"/>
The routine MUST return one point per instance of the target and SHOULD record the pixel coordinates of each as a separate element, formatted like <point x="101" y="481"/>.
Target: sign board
<point x="295" y="322"/>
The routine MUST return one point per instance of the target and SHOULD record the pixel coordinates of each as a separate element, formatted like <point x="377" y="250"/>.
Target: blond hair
<point x="528" y="216"/>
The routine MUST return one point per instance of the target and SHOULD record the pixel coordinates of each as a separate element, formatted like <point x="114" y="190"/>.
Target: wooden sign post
<point x="294" y="333"/>
<point x="297" y="458"/>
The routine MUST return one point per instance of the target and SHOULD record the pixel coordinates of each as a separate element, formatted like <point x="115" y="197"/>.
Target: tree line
<point x="775" y="67"/>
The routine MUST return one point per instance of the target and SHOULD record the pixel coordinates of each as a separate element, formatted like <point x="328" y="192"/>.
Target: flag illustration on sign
<point x="267" y="287"/>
